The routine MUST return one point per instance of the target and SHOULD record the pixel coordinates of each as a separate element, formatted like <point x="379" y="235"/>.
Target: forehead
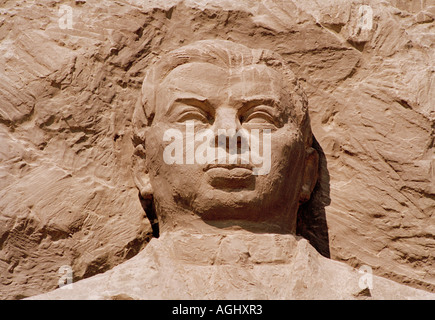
<point x="222" y="82"/>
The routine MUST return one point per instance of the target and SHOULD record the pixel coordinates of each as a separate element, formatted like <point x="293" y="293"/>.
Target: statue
<point x="223" y="159"/>
<point x="228" y="89"/>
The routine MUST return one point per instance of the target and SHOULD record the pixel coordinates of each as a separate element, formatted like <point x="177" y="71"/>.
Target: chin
<point x="223" y="204"/>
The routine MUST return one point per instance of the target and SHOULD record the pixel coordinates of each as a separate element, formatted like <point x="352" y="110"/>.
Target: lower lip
<point x="230" y="178"/>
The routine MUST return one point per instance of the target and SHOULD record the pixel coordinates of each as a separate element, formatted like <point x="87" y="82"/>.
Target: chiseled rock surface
<point x="181" y="265"/>
<point x="66" y="98"/>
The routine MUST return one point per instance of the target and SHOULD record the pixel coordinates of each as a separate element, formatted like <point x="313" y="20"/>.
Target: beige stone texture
<point x="234" y="266"/>
<point x="67" y="195"/>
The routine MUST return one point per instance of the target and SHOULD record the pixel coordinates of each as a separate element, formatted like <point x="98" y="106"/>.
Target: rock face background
<point x="67" y="96"/>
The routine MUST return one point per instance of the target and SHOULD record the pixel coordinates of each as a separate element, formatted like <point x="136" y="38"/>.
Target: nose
<point x="226" y="119"/>
<point x="228" y="131"/>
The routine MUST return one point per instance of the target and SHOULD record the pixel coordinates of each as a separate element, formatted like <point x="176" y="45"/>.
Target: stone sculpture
<point x="228" y="89"/>
<point x="225" y="229"/>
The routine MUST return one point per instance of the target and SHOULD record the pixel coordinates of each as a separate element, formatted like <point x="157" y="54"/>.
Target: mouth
<point x="230" y="176"/>
<point x="227" y="166"/>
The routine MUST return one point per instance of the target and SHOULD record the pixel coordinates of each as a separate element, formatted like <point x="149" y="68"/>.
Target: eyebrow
<point x="194" y="101"/>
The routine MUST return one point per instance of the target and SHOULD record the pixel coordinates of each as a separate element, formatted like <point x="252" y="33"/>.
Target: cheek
<point x="154" y="149"/>
<point x="169" y="177"/>
<point x="286" y="145"/>
<point x="287" y="153"/>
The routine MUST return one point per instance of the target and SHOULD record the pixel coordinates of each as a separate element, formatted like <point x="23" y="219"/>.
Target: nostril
<point x="227" y="142"/>
<point x="239" y="145"/>
<point x="220" y="141"/>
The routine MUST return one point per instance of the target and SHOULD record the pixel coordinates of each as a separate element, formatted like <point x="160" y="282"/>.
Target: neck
<point x="238" y="247"/>
<point x="196" y="225"/>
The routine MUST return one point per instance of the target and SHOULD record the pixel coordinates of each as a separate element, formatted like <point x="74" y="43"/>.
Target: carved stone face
<point x="201" y="96"/>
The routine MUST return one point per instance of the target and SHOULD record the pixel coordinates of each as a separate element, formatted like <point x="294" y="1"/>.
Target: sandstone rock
<point x="67" y="97"/>
<point x="237" y="266"/>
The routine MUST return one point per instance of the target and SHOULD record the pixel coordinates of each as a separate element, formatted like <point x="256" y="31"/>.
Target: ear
<point x="140" y="173"/>
<point x="311" y="173"/>
<point x="143" y="184"/>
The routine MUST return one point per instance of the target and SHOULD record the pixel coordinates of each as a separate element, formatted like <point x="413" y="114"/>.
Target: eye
<point x="193" y="114"/>
<point x="191" y="109"/>
<point x="259" y="116"/>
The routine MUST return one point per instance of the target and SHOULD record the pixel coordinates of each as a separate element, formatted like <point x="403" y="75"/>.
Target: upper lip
<point x="228" y="166"/>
